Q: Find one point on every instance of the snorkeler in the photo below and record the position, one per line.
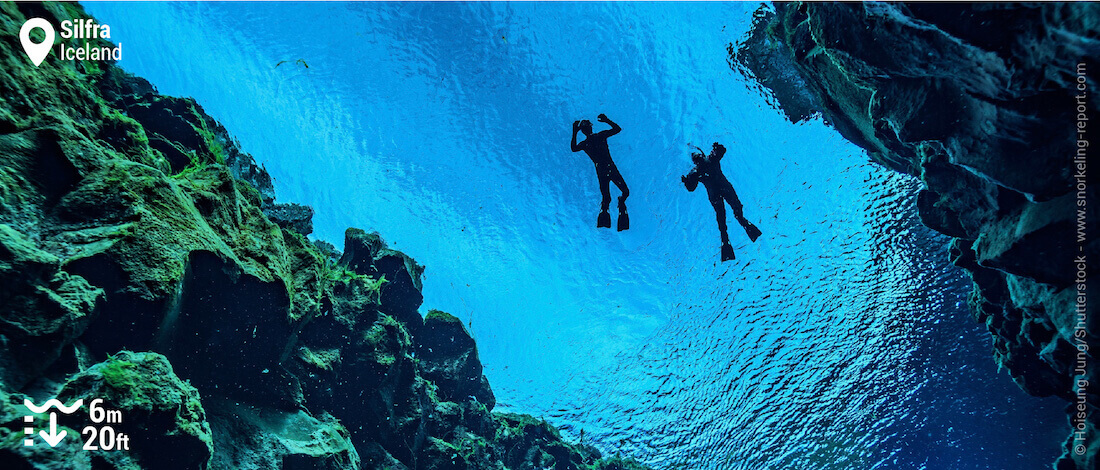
(595, 145)
(708, 171)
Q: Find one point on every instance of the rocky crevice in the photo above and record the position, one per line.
(980, 102)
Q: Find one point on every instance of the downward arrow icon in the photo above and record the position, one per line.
(53, 438)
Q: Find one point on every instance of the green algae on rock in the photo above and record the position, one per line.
(44, 308)
(159, 410)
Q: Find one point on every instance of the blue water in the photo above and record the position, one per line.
(839, 340)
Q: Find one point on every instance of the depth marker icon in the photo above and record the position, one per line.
(53, 438)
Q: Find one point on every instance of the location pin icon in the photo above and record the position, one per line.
(37, 52)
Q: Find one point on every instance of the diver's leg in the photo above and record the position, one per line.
(605, 190)
(604, 219)
(720, 215)
(617, 178)
(731, 197)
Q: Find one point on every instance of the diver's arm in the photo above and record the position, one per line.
(691, 180)
(614, 127)
(714, 156)
(573, 143)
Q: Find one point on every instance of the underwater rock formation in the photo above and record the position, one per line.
(448, 357)
(981, 103)
(144, 261)
(165, 412)
(291, 216)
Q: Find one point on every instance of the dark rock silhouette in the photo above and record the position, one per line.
(980, 101)
(291, 216)
(449, 359)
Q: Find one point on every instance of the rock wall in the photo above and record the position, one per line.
(981, 102)
(144, 260)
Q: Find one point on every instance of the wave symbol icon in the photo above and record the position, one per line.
(53, 403)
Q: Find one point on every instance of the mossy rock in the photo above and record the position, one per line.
(159, 411)
(44, 308)
(257, 437)
(449, 358)
(366, 254)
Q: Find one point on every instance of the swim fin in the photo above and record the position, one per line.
(603, 220)
(727, 252)
(624, 221)
(752, 232)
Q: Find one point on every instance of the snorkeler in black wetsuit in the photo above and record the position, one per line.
(595, 145)
(708, 171)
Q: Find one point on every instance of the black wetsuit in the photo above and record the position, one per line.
(719, 192)
(595, 145)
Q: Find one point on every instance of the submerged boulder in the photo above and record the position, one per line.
(158, 410)
(45, 308)
(448, 357)
(366, 254)
(249, 437)
(291, 216)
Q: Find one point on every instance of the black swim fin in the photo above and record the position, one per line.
(727, 252)
(624, 221)
(603, 220)
(752, 232)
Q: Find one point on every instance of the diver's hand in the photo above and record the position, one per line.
(683, 179)
(576, 126)
(602, 118)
